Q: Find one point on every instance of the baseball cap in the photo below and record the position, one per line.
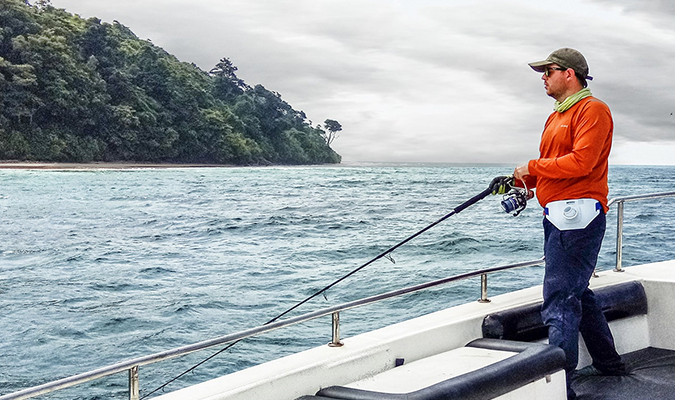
(566, 58)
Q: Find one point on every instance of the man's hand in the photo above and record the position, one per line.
(501, 184)
(521, 172)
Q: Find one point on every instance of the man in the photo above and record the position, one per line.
(570, 178)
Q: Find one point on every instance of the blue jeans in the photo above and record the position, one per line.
(569, 306)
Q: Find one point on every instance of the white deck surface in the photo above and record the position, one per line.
(431, 370)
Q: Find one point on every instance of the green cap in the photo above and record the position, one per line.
(566, 58)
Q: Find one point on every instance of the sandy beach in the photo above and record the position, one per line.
(99, 165)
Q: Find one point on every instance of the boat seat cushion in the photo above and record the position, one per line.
(533, 361)
(525, 323)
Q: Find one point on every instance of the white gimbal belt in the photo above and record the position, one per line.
(567, 215)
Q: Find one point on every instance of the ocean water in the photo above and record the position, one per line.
(100, 266)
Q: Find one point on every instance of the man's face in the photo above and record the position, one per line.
(555, 80)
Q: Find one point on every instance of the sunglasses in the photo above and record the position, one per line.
(547, 71)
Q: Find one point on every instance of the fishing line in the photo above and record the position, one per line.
(387, 253)
(384, 254)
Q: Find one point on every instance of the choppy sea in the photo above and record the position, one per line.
(100, 266)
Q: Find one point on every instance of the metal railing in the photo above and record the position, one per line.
(619, 220)
(132, 366)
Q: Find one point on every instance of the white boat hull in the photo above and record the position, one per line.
(436, 343)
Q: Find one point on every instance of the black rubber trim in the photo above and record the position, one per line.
(525, 324)
(533, 362)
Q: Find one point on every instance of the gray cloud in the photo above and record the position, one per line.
(428, 80)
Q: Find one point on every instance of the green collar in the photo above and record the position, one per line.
(572, 100)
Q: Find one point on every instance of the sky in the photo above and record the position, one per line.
(429, 80)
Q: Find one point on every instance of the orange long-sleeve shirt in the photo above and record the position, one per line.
(574, 149)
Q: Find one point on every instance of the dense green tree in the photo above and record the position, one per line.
(227, 86)
(74, 89)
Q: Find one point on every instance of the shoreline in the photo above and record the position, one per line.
(100, 165)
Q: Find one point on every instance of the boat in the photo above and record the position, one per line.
(492, 348)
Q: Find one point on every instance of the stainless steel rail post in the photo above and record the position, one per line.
(336, 331)
(619, 237)
(483, 289)
(133, 383)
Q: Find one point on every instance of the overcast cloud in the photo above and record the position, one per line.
(429, 80)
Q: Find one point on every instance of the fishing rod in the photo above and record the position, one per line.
(514, 201)
(387, 253)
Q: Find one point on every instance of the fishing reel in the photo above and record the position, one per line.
(515, 200)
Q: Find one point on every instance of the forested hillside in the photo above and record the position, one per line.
(80, 90)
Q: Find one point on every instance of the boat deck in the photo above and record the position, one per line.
(651, 376)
